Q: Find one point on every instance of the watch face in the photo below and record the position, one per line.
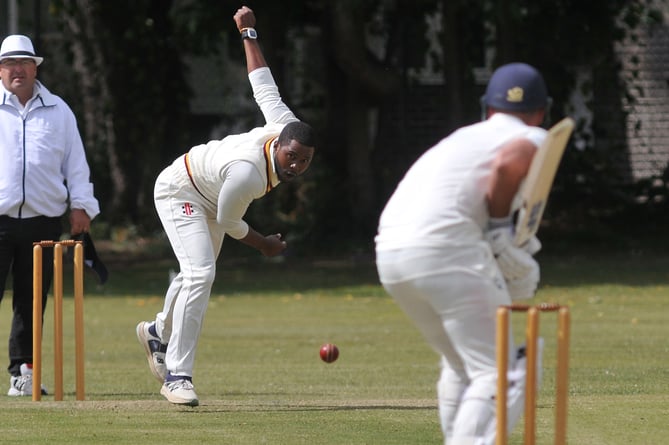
(249, 33)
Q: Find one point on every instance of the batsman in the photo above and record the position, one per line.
(445, 249)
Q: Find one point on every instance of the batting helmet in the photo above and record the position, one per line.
(516, 87)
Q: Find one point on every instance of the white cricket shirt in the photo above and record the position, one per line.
(441, 201)
(230, 173)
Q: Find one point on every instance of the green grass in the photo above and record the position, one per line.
(260, 379)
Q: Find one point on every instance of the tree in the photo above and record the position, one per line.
(81, 30)
(133, 97)
(128, 57)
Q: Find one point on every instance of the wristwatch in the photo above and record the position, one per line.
(249, 33)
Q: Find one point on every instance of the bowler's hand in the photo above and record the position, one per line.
(273, 245)
(79, 221)
(244, 18)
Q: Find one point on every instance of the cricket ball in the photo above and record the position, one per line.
(329, 352)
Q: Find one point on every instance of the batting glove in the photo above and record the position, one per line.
(515, 263)
(524, 288)
(532, 245)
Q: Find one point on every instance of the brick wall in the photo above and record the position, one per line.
(645, 70)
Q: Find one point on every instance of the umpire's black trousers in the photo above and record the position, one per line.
(16, 255)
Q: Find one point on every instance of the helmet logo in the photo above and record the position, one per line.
(514, 94)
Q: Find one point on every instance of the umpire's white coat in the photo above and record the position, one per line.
(432, 259)
(199, 198)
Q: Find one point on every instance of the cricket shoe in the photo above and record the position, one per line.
(179, 391)
(154, 349)
(23, 384)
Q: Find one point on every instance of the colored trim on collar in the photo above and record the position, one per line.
(268, 162)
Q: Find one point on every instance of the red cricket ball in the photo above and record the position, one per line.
(329, 352)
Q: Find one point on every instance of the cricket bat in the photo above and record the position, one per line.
(539, 180)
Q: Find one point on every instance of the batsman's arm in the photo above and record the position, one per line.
(509, 169)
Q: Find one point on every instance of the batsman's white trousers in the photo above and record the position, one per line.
(190, 224)
(452, 297)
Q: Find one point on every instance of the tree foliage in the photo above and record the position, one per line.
(343, 65)
(133, 96)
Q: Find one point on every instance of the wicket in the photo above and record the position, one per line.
(58, 316)
(532, 335)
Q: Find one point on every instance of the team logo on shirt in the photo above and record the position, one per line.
(187, 209)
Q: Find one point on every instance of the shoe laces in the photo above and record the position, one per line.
(23, 382)
(180, 384)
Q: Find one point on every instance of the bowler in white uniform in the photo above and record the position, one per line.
(201, 198)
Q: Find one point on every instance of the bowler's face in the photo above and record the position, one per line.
(292, 160)
(18, 75)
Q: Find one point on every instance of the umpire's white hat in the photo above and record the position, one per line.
(18, 46)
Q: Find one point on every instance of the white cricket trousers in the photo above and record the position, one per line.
(452, 297)
(196, 238)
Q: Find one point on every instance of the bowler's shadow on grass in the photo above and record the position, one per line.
(154, 402)
(220, 406)
(203, 408)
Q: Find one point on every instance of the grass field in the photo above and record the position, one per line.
(260, 379)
